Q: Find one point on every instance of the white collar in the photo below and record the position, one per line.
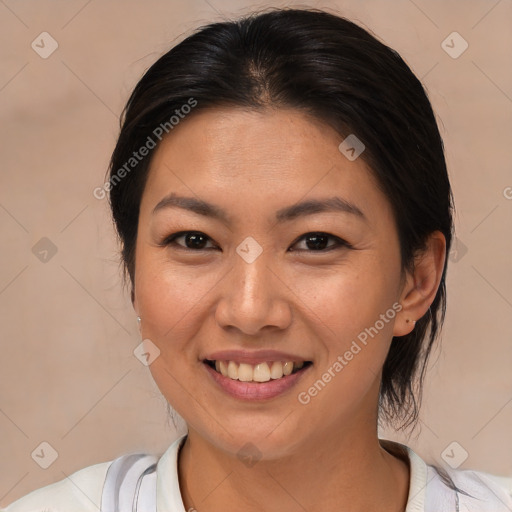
(419, 474)
(169, 494)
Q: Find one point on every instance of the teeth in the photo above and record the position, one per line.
(233, 370)
(261, 372)
(245, 372)
(287, 368)
(276, 371)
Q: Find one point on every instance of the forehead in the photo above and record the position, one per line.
(275, 156)
(266, 138)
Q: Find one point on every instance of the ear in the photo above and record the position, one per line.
(421, 285)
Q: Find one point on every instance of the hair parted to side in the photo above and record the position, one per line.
(337, 72)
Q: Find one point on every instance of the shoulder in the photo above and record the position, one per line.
(440, 489)
(81, 492)
(119, 483)
(475, 491)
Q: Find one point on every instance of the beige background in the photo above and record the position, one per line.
(67, 369)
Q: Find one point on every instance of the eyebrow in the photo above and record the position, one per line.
(308, 207)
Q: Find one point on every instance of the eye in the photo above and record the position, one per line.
(318, 242)
(194, 240)
(197, 241)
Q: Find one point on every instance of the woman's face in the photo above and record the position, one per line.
(264, 281)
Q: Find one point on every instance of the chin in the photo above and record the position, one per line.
(255, 442)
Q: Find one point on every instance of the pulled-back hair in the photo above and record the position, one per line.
(334, 70)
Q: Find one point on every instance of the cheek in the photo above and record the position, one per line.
(170, 297)
(171, 300)
(350, 313)
(345, 300)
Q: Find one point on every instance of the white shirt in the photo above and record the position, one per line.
(82, 491)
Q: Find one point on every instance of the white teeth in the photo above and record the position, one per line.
(276, 372)
(287, 368)
(233, 370)
(261, 372)
(245, 372)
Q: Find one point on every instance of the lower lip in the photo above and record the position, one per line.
(255, 390)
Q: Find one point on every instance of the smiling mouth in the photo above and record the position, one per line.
(261, 372)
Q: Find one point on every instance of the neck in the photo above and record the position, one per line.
(331, 472)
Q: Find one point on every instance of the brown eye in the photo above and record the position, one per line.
(318, 242)
(193, 240)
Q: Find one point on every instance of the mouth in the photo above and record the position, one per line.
(258, 373)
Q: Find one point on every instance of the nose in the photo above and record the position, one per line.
(253, 298)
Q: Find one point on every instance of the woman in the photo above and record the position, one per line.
(281, 196)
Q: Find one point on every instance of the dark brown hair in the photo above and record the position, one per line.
(332, 69)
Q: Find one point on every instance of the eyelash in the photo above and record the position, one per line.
(340, 243)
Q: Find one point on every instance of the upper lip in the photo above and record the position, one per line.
(254, 356)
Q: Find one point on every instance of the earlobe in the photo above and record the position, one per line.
(421, 284)
(136, 309)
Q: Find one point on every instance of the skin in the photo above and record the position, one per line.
(323, 456)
